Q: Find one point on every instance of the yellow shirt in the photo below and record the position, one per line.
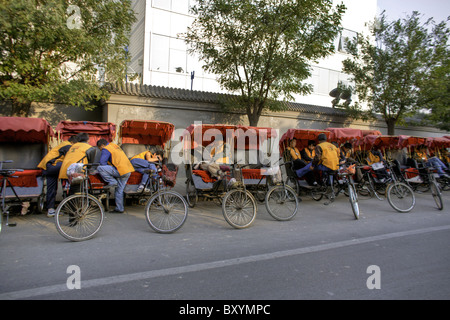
(330, 155)
(310, 154)
(142, 155)
(119, 159)
(52, 154)
(76, 153)
(295, 154)
(371, 158)
(421, 156)
(220, 150)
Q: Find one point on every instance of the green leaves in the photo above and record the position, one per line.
(52, 53)
(262, 49)
(391, 73)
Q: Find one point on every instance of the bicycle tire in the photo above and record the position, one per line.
(79, 217)
(166, 211)
(191, 194)
(353, 198)
(281, 202)
(437, 195)
(399, 191)
(239, 208)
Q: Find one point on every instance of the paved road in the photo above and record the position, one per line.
(323, 253)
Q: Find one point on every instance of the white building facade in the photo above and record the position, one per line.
(160, 57)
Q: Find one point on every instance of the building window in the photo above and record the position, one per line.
(159, 53)
(162, 4)
(180, 6)
(345, 37)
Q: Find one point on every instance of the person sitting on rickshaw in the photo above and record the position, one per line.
(298, 163)
(309, 152)
(346, 153)
(375, 160)
(216, 159)
(145, 161)
(325, 160)
(421, 155)
(115, 169)
(295, 155)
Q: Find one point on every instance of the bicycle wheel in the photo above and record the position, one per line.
(166, 211)
(281, 203)
(353, 198)
(191, 194)
(239, 208)
(437, 196)
(401, 197)
(79, 217)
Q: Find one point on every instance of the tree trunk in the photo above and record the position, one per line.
(253, 119)
(391, 126)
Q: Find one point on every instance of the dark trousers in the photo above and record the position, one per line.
(51, 173)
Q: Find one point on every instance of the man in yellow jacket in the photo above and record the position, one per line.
(51, 165)
(326, 158)
(115, 168)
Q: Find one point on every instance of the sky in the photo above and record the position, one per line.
(395, 9)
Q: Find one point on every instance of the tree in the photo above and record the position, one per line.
(262, 49)
(54, 50)
(435, 94)
(390, 68)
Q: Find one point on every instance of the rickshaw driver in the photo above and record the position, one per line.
(309, 152)
(327, 155)
(296, 157)
(80, 151)
(375, 159)
(421, 155)
(51, 165)
(325, 160)
(218, 159)
(145, 161)
(115, 169)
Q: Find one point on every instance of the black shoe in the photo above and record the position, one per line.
(116, 211)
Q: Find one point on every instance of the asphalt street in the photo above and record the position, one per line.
(323, 253)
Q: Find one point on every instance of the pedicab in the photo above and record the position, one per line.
(96, 131)
(385, 177)
(330, 184)
(439, 148)
(166, 210)
(79, 216)
(260, 176)
(302, 137)
(238, 204)
(23, 143)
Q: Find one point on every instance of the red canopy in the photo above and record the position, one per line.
(341, 135)
(96, 130)
(209, 131)
(410, 141)
(199, 129)
(435, 142)
(381, 141)
(146, 132)
(366, 132)
(260, 132)
(302, 136)
(28, 130)
(392, 142)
